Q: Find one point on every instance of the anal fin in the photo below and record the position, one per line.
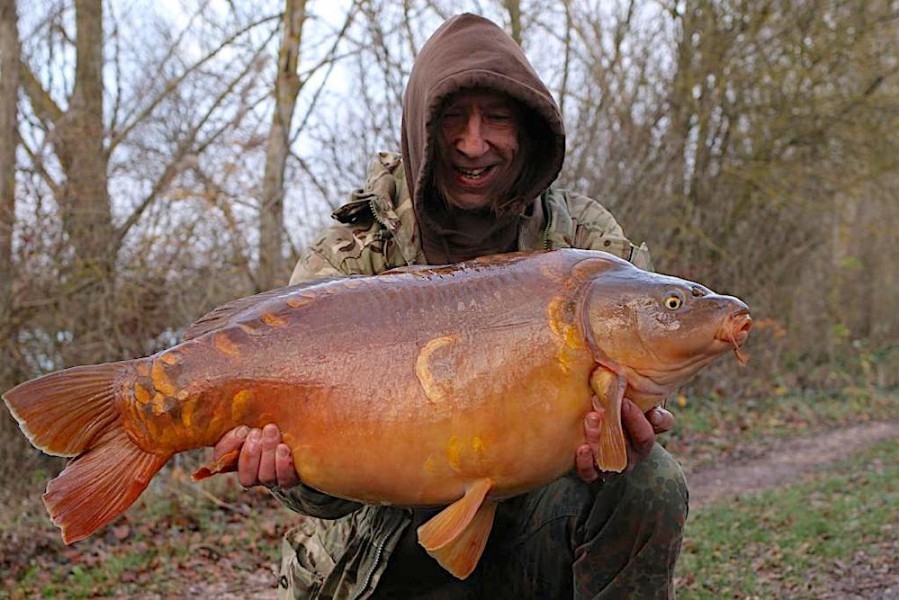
(456, 537)
(609, 389)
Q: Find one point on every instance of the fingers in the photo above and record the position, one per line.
(660, 419)
(639, 429)
(585, 464)
(584, 459)
(250, 456)
(591, 429)
(233, 440)
(264, 460)
(286, 472)
(271, 437)
(641, 432)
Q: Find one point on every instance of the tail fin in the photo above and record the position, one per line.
(74, 413)
(99, 485)
(62, 412)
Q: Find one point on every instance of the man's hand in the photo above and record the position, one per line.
(263, 459)
(641, 430)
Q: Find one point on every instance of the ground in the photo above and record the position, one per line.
(770, 465)
(872, 573)
(171, 549)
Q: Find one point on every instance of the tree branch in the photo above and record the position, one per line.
(186, 145)
(117, 137)
(44, 106)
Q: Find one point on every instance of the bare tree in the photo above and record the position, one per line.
(78, 141)
(9, 143)
(513, 10)
(287, 87)
(289, 84)
(89, 139)
(9, 68)
(716, 131)
(781, 147)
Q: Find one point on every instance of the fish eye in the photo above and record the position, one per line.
(673, 301)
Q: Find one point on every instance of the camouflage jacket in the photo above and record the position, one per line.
(340, 549)
(376, 229)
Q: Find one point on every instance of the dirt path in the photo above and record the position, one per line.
(784, 462)
(872, 573)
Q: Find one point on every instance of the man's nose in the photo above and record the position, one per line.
(471, 140)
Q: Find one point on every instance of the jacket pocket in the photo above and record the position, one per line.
(306, 561)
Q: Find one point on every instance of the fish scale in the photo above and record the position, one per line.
(454, 386)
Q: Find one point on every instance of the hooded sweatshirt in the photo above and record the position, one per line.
(470, 52)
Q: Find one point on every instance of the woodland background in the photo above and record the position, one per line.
(160, 158)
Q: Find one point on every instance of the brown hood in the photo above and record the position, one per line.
(467, 52)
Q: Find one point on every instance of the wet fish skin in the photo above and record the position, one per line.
(458, 385)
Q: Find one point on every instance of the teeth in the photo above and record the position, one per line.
(472, 172)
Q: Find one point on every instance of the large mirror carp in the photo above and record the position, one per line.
(459, 385)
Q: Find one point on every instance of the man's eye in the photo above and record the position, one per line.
(499, 117)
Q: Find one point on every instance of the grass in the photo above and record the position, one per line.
(709, 427)
(86, 581)
(178, 539)
(795, 542)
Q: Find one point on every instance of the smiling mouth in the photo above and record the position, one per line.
(473, 174)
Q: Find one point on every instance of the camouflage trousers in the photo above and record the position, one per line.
(616, 538)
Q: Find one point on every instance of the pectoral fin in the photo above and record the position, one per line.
(227, 462)
(609, 389)
(456, 536)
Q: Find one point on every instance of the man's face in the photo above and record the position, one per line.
(478, 144)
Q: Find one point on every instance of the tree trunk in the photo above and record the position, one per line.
(9, 92)
(87, 215)
(80, 148)
(272, 271)
(513, 7)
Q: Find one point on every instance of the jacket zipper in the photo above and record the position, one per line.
(374, 212)
(379, 549)
(391, 229)
(547, 245)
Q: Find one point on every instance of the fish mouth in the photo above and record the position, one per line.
(735, 330)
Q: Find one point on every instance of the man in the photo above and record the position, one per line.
(482, 142)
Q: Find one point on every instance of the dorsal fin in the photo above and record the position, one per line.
(224, 314)
(410, 269)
